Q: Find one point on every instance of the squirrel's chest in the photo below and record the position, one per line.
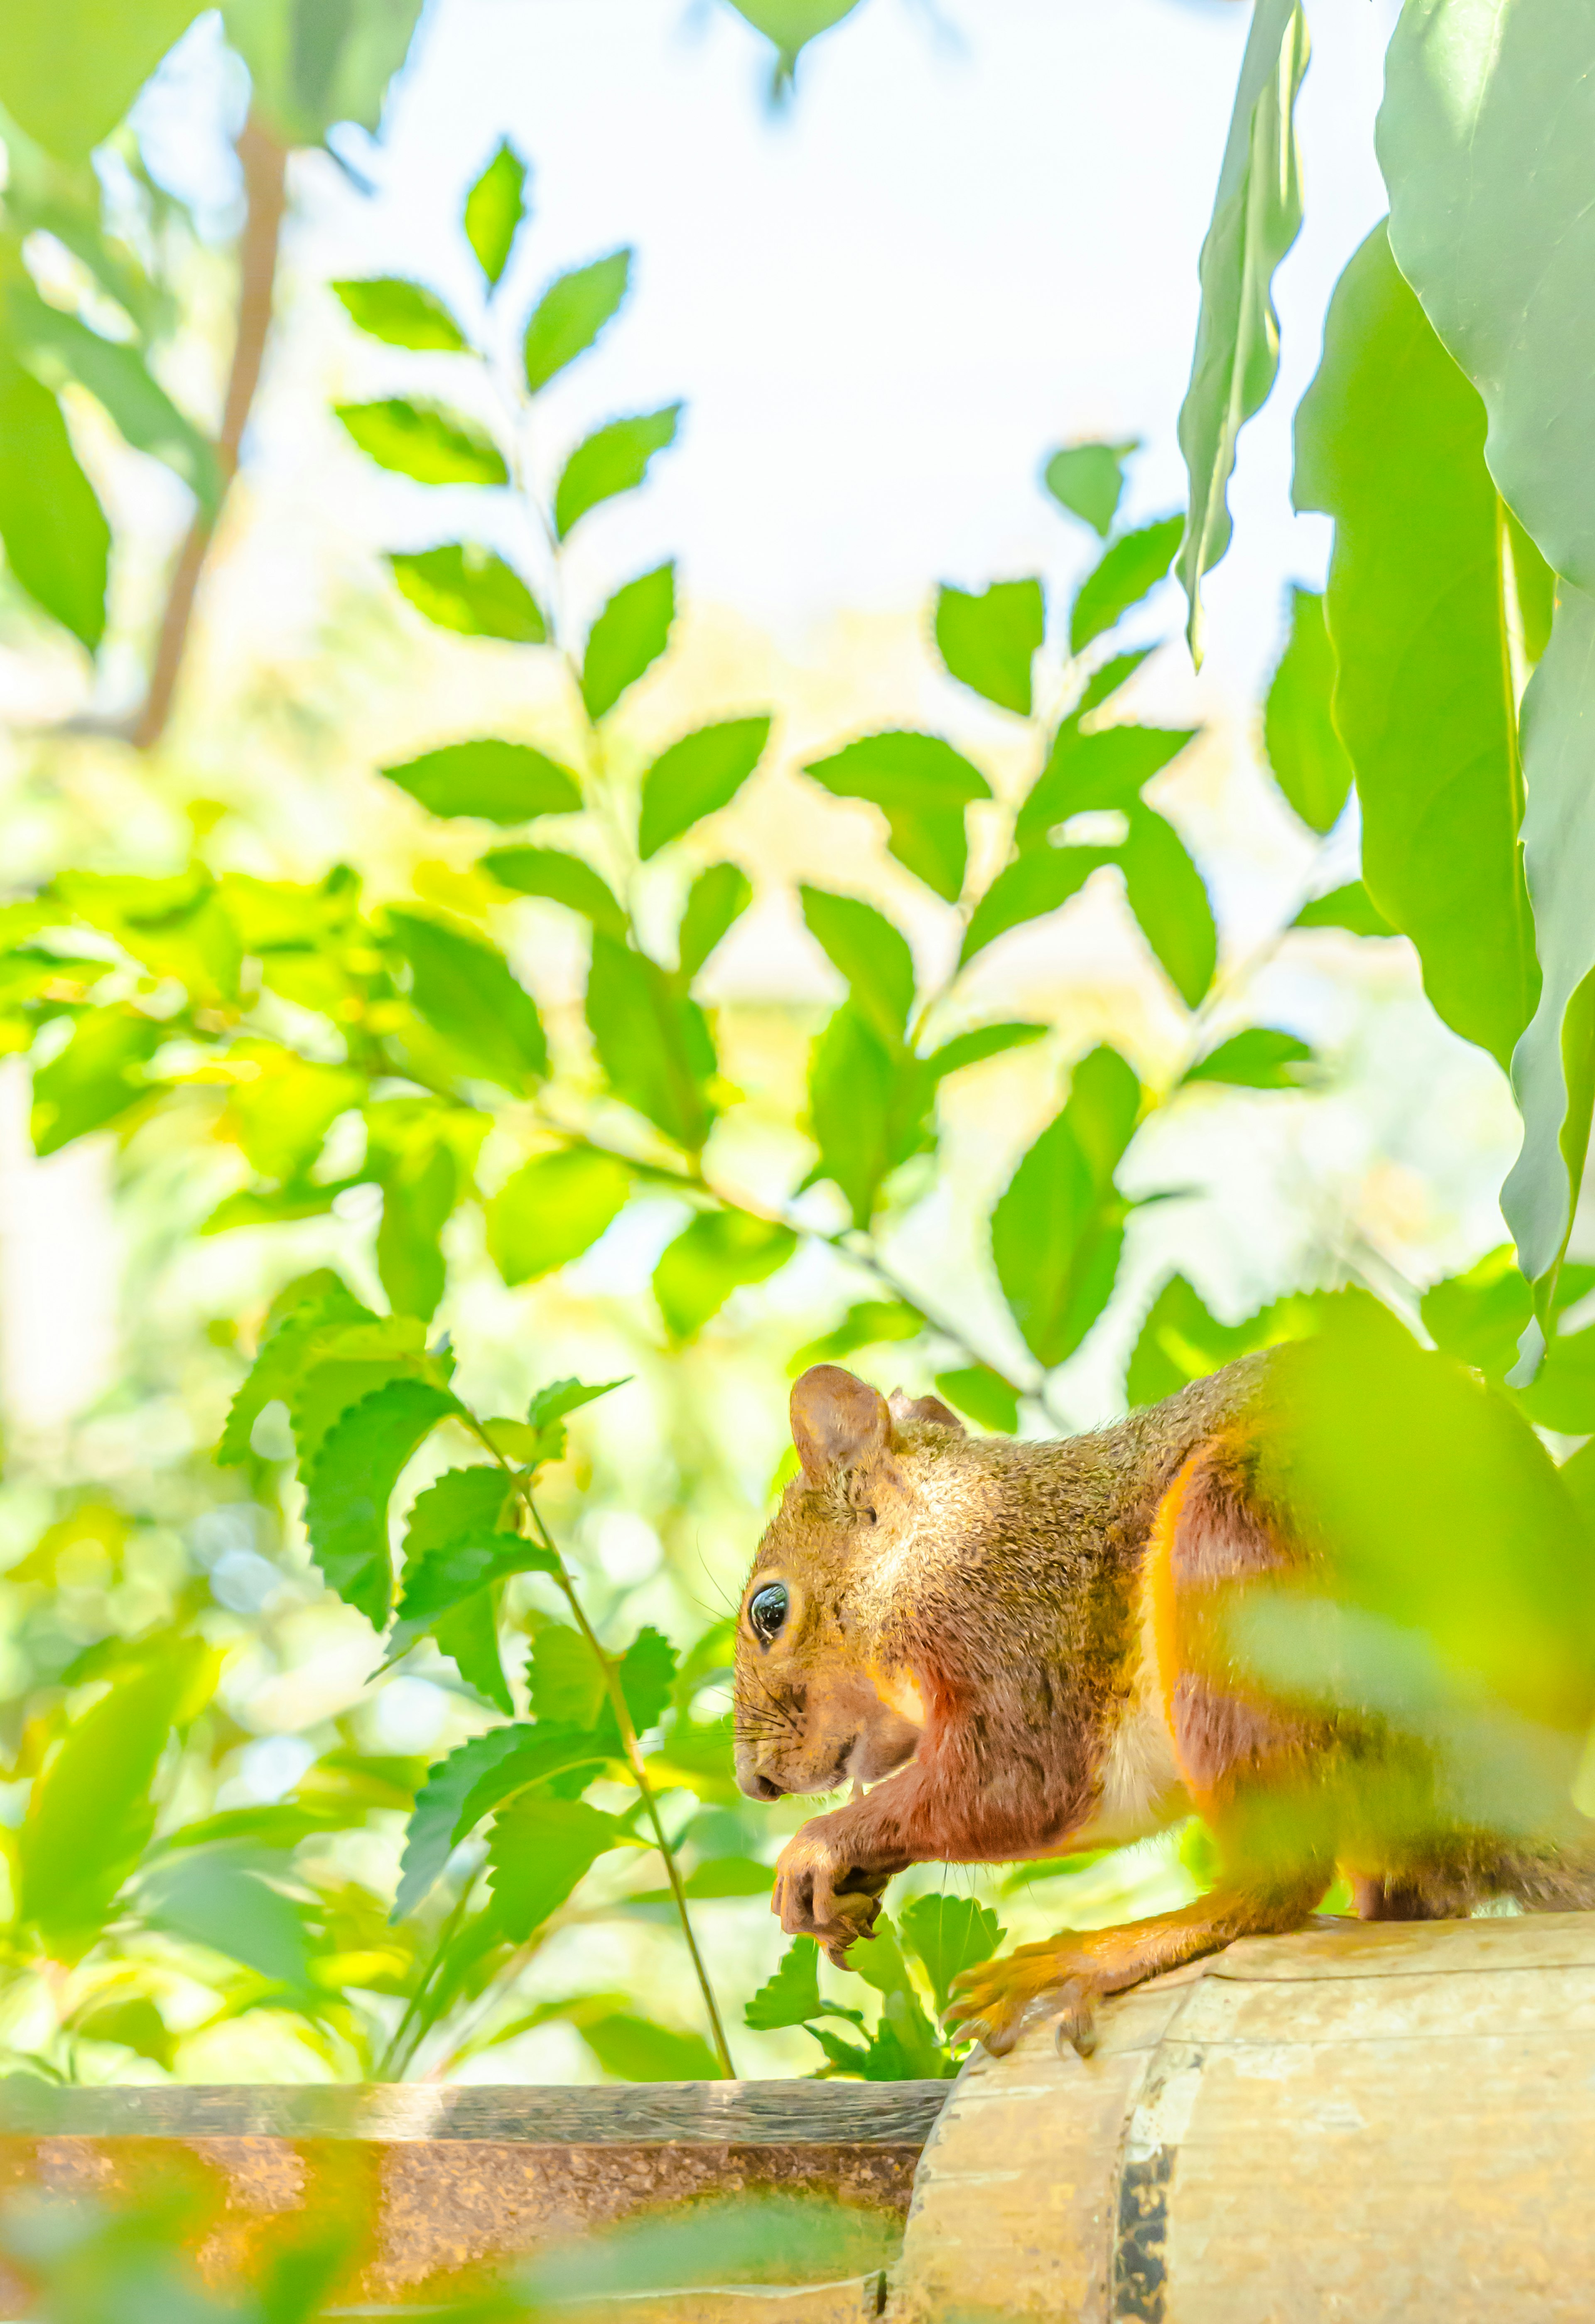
(1139, 1789)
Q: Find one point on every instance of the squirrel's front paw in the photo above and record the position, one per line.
(992, 2001)
(820, 1892)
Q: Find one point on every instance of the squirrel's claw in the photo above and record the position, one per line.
(819, 1892)
(998, 2000)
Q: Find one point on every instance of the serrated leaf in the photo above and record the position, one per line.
(570, 314)
(553, 1209)
(1307, 756)
(949, 1934)
(563, 879)
(558, 1399)
(792, 1995)
(1057, 1232)
(873, 956)
(346, 1362)
(502, 782)
(540, 1850)
(310, 1304)
(973, 1048)
(647, 1676)
(1088, 480)
(438, 1823)
(922, 787)
(1129, 571)
(57, 543)
(1169, 898)
(469, 589)
(349, 1483)
(494, 208)
(1106, 767)
(401, 314)
(988, 641)
(459, 1541)
(652, 1042)
(1260, 1058)
(1038, 883)
(1257, 215)
(983, 1395)
(628, 638)
(717, 898)
(612, 460)
(696, 777)
(1351, 908)
(719, 1252)
(424, 441)
(467, 992)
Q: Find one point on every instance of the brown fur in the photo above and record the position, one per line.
(1013, 1643)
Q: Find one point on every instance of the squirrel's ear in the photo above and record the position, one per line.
(903, 1406)
(838, 1422)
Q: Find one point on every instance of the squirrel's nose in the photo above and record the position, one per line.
(755, 1785)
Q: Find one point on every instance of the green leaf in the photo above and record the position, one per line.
(873, 956)
(1105, 681)
(401, 314)
(1481, 1316)
(792, 1995)
(458, 1544)
(57, 543)
(923, 785)
(464, 587)
(1256, 216)
(308, 1304)
(1088, 480)
(791, 25)
(984, 1395)
(558, 1399)
(424, 440)
(647, 1676)
(57, 347)
(653, 1043)
(949, 1934)
(1182, 1341)
(214, 1897)
(628, 638)
(1038, 883)
(89, 1812)
(494, 208)
(1127, 572)
(989, 641)
(502, 782)
(1390, 443)
(1260, 1058)
(540, 1850)
(70, 73)
(713, 1257)
(850, 1091)
(1084, 773)
(444, 1808)
(612, 460)
(569, 315)
(466, 989)
(311, 67)
(904, 2047)
(552, 1209)
(636, 2049)
(869, 1323)
(564, 1682)
(1351, 908)
(974, 1047)
(420, 1179)
(1536, 589)
(696, 777)
(95, 1077)
(1168, 897)
(1057, 1232)
(1307, 756)
(562, 879)
(344, 1364)
(717, 898)
(1553, 1070)
(349, 1483)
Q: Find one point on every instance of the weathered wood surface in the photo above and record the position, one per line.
(453, 2186)
(1394, 2124)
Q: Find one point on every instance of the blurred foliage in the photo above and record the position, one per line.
(408, 1064)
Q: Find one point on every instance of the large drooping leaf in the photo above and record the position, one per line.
(1553, 1070)
(401, 314)
(502, 782)
(69, 72)
(570, 314)
(464, 587)
(923, 786)
(713, 1257)
(467, 992)
(628, 637)
(696, 777)
(57, 347)
(493, 210)
(1058, 1229)
(990, 640)
(425, 441)
(552, 1209)
(1307, 756)
(1256, 216)
(58, 544)
(864, 947)
(613, 459)
(312, 65)
(1390, 443)
(652, 1041)
(350, 1481)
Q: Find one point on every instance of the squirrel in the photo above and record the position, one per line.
(1005, 1639)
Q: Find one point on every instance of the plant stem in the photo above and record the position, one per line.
(395, 2057)
(264, 165)
(608, 1669)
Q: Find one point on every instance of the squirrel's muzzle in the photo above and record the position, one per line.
(753, 1785)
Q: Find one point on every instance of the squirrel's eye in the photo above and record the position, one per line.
(767, 1609)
